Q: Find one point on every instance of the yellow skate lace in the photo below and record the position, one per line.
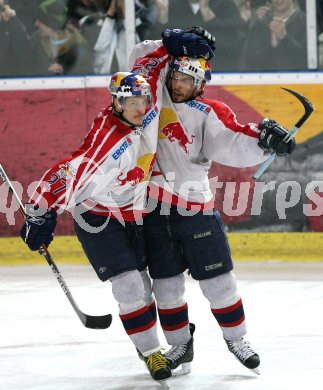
(156, 361)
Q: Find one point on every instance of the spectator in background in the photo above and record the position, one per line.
(14, 43)
(277, 40)
(319, 9)
(105, 33)
(163, 6)
(25, 10)
(244, 7)
(221, 18)
(151, 15)
(78, 9)
(146, 18)
(57, 46)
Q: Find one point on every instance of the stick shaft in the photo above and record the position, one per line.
(94, 322)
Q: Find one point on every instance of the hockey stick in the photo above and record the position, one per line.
(92, 322)
(309, 108)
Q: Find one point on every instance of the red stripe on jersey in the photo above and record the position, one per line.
(164, 196)
(107, 130)
(123, 213)
(104, 139)
(156, 173)
(150, 66)
(226, 115)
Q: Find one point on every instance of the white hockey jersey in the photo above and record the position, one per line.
(191, 136)
(109, 173)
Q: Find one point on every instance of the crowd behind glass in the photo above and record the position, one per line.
(58, 37)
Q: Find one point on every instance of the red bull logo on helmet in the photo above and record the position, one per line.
(196, 67)
(140, 85)
(170, 128)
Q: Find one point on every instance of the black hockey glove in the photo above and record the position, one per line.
(181, 43)
(271, 137)
(39, 227)
(200, 31)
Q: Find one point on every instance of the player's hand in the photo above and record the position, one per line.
(39, 227)
(271, 138)
(181, 43)
(200, 31)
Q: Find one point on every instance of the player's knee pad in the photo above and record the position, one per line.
(220, 291)
(128, 288)
(169, 292)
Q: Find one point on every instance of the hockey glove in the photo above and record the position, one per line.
(200, 31)
(271, 137)
(39, 227)
(180, 43)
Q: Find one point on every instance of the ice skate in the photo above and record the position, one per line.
(181, 355)
(245, 354)
(141, 356)
(157, 366)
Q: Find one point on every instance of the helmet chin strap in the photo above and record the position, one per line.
(120, 115)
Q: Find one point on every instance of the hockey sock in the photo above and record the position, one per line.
(231, 320)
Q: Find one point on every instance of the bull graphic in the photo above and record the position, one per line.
(133, 177)
(174, 131)
(141, 171)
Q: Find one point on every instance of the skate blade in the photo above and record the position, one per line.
(255, 370)
(163, 384)
(183, 369)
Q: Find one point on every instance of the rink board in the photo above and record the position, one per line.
(55, 113)
(254, 247)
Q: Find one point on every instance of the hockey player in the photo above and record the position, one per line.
(104, 182)
(184, 231)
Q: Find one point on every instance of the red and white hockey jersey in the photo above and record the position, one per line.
(191, 136)
(109, 173)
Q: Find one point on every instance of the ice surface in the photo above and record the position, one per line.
(44, 346)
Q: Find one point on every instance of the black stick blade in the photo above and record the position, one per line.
(97, 322)
(308, 106)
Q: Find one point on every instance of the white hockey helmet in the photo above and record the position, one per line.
(198, 68)
(126, 84)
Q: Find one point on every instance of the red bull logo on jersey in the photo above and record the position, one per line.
(133, 177)
(170, 128)
(141, 172)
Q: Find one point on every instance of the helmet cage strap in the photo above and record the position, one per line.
(119, 114)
